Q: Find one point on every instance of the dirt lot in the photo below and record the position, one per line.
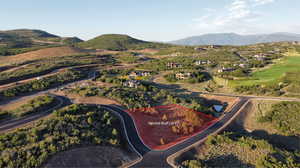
(94, 156)
(42, 53)
(88, 100)
(156, 129)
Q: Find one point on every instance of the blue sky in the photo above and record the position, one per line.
(155, 20)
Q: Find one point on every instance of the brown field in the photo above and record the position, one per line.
(87, 100)
(42, 53)
(94, 156)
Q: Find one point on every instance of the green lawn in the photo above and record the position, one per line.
(290, 63)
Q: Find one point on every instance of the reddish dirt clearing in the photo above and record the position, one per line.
(155, 129)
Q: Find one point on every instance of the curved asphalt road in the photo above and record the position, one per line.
(152, 158)
(15, 123)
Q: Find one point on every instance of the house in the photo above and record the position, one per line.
(200, 62)
(240, 65)
(260, 57)
(135, 74)
(131, 83)
(223, 69)
(173, 65)
(183, 75)
(199, 49)
(140, 55)
(214, 46)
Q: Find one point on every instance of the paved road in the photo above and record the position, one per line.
(91, 76)
(17, 123)
(159, 158)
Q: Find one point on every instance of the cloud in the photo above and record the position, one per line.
(236, 17)
(263, 2)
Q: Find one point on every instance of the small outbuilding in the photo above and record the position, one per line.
(218, 108)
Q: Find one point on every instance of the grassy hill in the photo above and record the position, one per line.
(118, 42)
(18, 41)
(29, 33)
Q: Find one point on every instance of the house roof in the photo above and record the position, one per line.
(218, 108)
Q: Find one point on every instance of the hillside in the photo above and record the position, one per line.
(118, 42)
(25, 38)
(236, 39)
(71, 40)
(28, 33)
(42, 53)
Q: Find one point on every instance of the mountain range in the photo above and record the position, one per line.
(236, 39)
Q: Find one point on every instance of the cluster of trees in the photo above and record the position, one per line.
(118, 76)
(161, 64)
(284, 116)
(112, 75)
(263, 89)
(70, 127)
(240, 72)
(35, 105)
(128, 57)
(196, 77)
(271, 157)
(44, 83)
(4, 51)
(146, 95)
(292, 81)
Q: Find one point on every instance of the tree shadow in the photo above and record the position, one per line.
(219, 161)
(227, 161)
(290, 143)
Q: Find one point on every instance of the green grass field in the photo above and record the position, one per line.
(290, 63)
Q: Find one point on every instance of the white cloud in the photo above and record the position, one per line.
(236, 17)
(263, 2)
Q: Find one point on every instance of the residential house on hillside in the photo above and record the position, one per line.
(173, 65)
(223, 69)
(214, 46)
(242, 65)
(135, 74)
(131, 83)
(260, 57)
(201, 62)
(183, 75)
